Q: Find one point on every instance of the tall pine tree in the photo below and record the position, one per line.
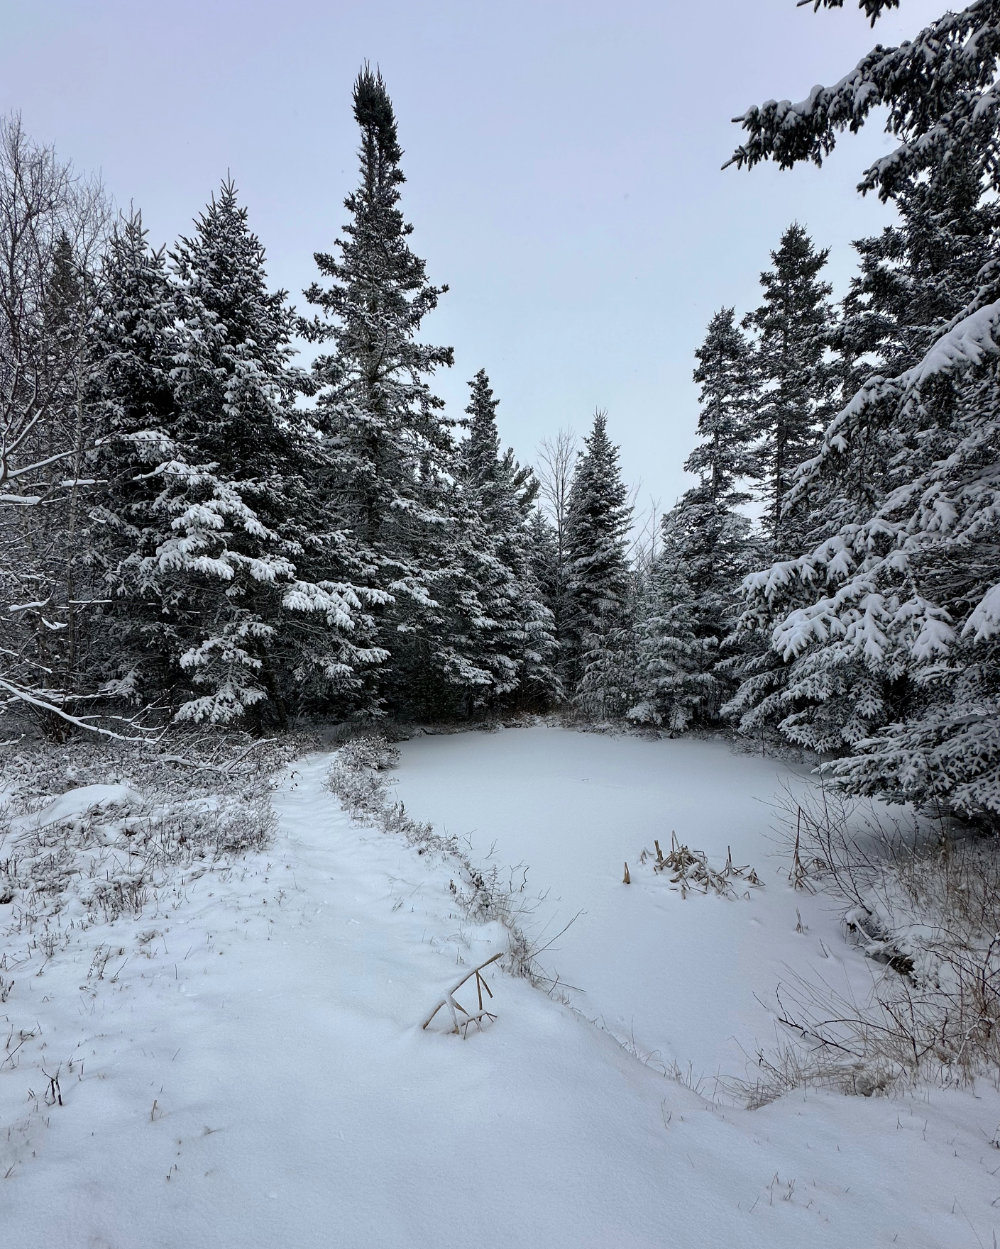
(600, 589)
(794, 327)
(395, 452)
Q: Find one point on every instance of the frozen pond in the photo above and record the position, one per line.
(686, 981)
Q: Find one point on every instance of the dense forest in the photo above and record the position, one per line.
(216, 510)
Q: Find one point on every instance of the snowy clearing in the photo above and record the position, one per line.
(254, 1073)
(687, 982)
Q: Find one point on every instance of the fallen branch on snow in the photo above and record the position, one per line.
(461, 1026)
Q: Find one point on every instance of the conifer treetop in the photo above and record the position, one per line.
(374, 113)
(482, 448)
(728, 398)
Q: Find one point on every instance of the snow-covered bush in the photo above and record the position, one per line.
(356, 776)
(370, 751)
(92, 831)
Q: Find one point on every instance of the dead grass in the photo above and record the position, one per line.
(922, 900)
(358, 777)
(690, 871)
(119, 855)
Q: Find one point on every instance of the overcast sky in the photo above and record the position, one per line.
(562, 160)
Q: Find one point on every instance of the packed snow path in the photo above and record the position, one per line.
(259, 1079)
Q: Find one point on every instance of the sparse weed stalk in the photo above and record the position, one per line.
(691, 871)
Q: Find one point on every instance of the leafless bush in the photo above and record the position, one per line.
(923, 900)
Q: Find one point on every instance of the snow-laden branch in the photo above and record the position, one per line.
(940, 90)
(33, 700)
(972, 337)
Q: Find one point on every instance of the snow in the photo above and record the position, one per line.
(677, 978)
(249, 1069)
(83, 800)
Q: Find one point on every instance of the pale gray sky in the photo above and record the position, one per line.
(562, 159)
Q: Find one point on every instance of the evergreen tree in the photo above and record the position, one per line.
(712, 537)
(517, 643)
(395, 450)
(600, 589)
(674, 683)
(794, 327)
(938, 88)
(904, 586)
(132, 397)
(917, 274)
(546, 565)
(728, 420)
(689, 605)
(829, 694)
(208, 493)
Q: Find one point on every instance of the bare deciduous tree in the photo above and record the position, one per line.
(53, 225)
(557, 458)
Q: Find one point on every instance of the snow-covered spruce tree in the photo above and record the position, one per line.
(916, 275)
(908, 583)
(794, 326)
(210, 489)
(690, 602)
(727, 373)
(674, 657)
(547, 570)
(131, 395)
(913, 278)
(714, 536)
(598, 647)
(396, 491)
(515, 630)
(289, 619)
(799, 381)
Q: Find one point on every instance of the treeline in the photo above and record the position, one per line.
(867, 627)
(196, 528)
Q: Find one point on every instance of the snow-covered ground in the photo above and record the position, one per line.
(688, 982)
(251, 1070)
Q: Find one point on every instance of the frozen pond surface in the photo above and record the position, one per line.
(687, 981)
